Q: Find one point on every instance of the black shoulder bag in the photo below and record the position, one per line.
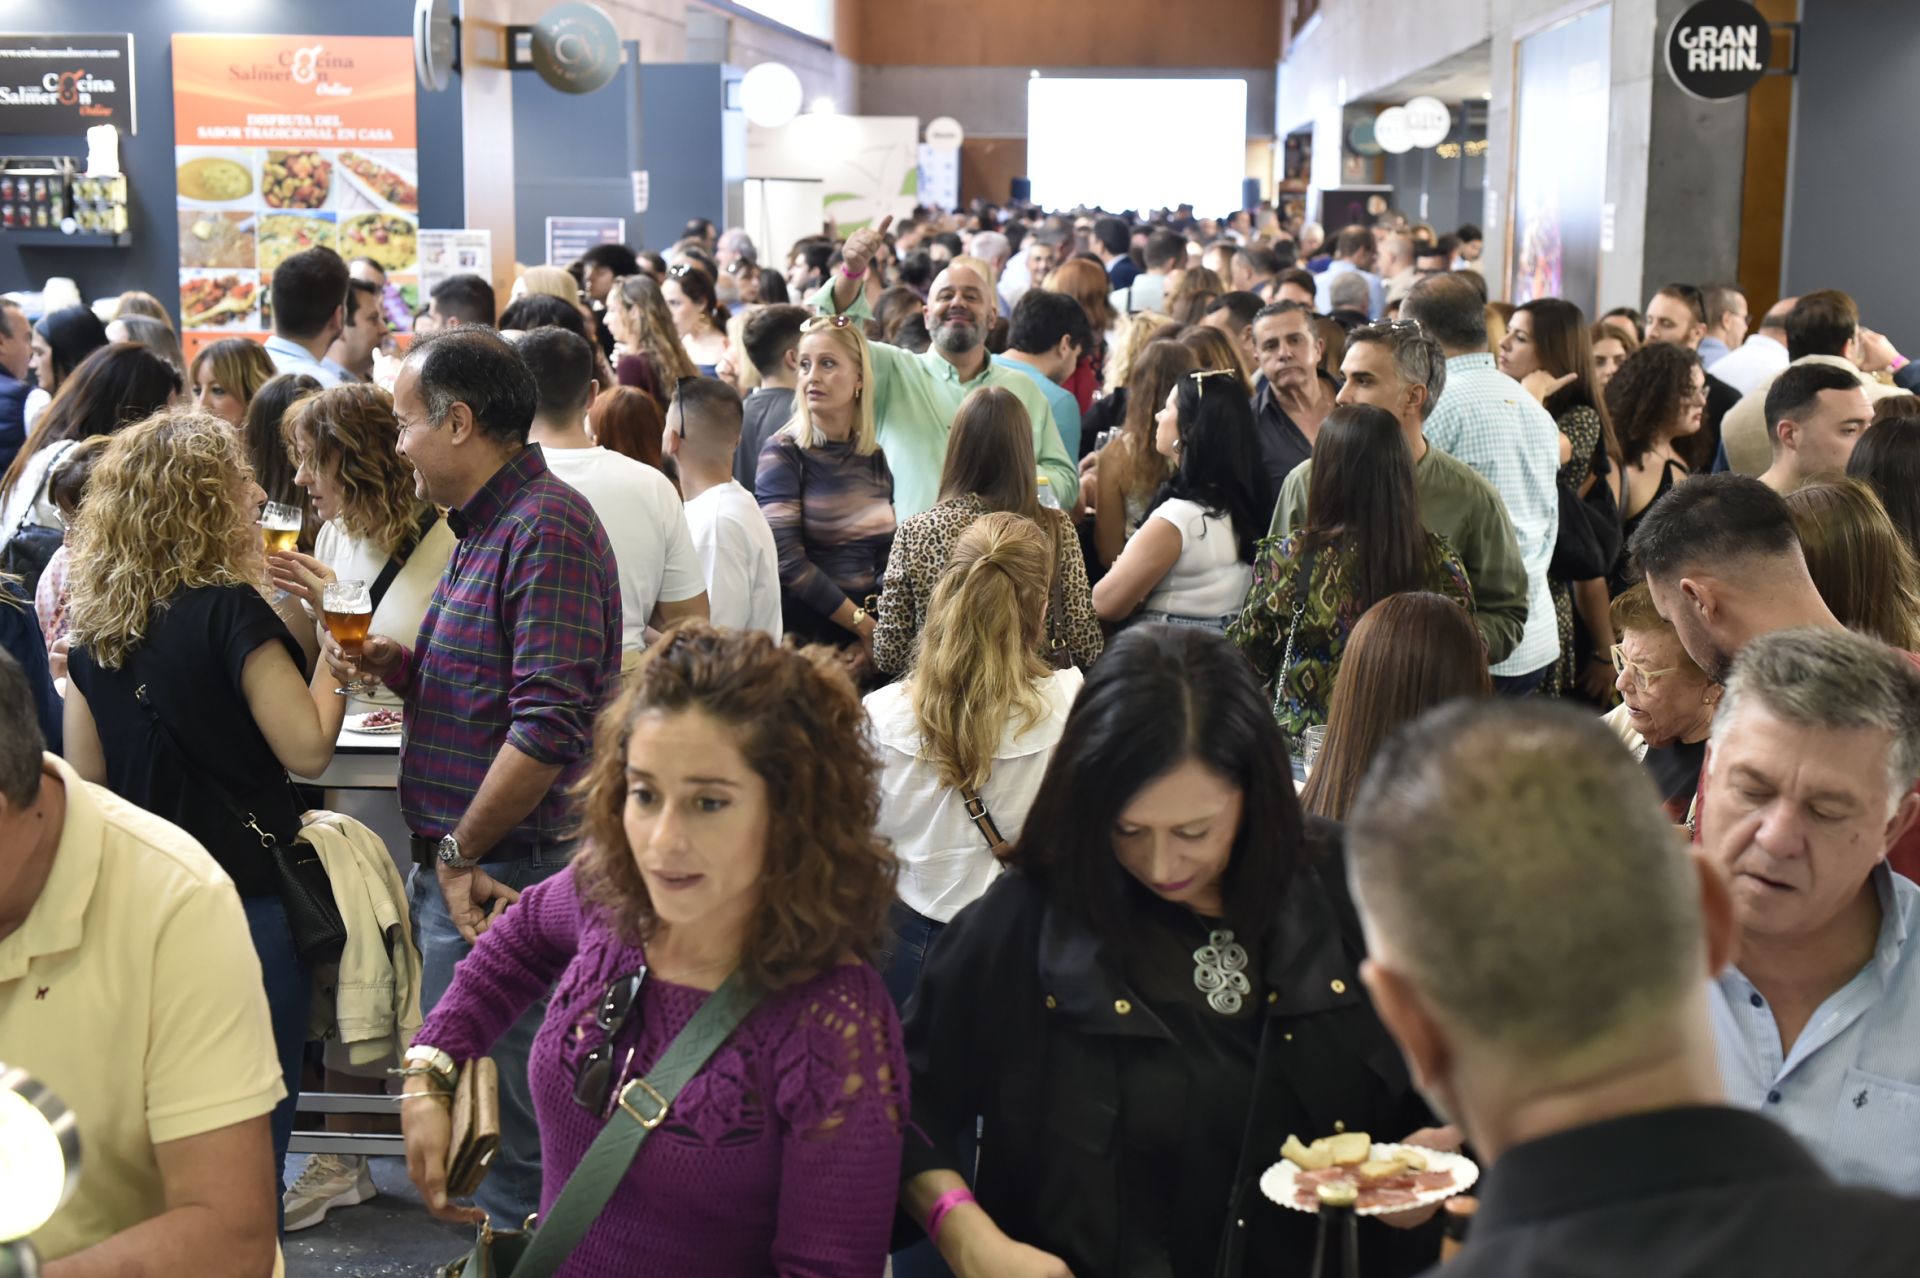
(27, 553)
(1589, 541)
(319, 932)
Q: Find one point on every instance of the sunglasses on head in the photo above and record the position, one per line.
(819, 322)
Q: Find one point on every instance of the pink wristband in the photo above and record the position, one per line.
(944, 1204)
(846, 274)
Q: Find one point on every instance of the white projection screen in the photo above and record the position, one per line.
(1137, 144)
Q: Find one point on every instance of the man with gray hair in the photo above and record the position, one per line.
(1536, 944)
(1349, 299)
(1400, 368)
(1809, 783)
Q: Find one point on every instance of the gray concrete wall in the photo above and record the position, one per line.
(991, 102)
(1852, 184)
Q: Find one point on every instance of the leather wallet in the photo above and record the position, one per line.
(476, 1127)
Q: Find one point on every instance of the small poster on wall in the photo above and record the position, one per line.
(445, 254)
(66, 83)
(281, 144)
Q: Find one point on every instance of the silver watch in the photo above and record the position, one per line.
(450, 855)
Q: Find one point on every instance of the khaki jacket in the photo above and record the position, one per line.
(370, 1000)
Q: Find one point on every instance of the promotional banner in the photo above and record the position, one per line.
(870, 164)
(65, 83)
(285, 143)
(1560, 160)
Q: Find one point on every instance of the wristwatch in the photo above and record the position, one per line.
(450, 857)
(859, 615)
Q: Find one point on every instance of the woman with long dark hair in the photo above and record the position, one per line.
(1548, 349)
(111, 388)
(1409, 653)
(1158, 992)
(1131, 470)
(1192, 559)
(1362, 541)
(61, 342)
(1888, 458)
(697, 315)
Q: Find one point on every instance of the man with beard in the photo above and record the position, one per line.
(1724, 566)
(915, 396)
(1809, 783)
(1298, 393)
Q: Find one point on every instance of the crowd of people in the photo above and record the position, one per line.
(965, 740)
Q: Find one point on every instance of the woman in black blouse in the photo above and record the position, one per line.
(1164, 987)
(169, 570)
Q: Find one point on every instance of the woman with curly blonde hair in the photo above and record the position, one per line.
(974, 722)
(647, 353)
(376, 529)
(729, 855)
(173, 642)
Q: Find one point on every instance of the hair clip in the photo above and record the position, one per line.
(1201, 375)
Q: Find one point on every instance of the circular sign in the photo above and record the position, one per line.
(1392, 131)
(1428, 121)
(1360, 140)
(770, 94)
(575, 47)
(945, 134)
(1718, 49)
(434, 43)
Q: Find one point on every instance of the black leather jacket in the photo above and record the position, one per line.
(1021, 1020)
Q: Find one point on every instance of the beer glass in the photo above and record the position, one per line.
(280, 525)
(348, 609)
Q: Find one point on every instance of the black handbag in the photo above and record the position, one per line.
(1590, 537)
(31, 547)
(306, 893)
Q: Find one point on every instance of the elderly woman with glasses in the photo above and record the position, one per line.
(1667, 702)
(729, 862)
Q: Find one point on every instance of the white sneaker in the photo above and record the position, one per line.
(326, 1182)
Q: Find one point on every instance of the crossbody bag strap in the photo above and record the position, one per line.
(983, 822)
(398, 559)
(225, 796)
(644, 1104)
(39, 492)
(1057, 590)
(1303, 589)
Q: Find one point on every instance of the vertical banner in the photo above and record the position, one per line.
(1561, 80)
(285, 143)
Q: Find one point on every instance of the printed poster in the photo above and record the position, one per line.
(445, 254)
(285, 143)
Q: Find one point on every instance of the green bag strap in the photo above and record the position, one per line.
(643, 1106)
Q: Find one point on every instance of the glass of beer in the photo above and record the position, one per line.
(280, 525)
(348, 609)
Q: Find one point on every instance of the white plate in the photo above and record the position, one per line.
(358, 723)
(364, 189)
(1279, 1181)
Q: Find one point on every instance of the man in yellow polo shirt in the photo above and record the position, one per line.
(129, 986)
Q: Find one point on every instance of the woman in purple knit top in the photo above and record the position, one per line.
(729, 825)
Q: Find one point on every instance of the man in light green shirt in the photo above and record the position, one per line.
(915, 396)
(1401, 369)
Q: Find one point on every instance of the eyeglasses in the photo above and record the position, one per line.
(820, 322)
(1643, 678)
(593, 1079)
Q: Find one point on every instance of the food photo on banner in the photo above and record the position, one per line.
(286, 143)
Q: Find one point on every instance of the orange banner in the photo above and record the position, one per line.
(260, 90)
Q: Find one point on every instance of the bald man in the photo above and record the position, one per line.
(915, 395)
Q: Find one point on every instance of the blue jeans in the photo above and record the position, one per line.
(1216, 624)
(1522, 685)
(289, 998)
(912, 935)
(511, 1191)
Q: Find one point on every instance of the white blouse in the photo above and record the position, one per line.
(944, 861)
(404, 606)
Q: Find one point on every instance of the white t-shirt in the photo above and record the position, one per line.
(741, 562)
(646, 526)
(944, 862)
(1209, 579)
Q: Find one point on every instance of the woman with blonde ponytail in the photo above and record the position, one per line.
(965, 738)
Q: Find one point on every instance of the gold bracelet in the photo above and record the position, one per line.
(434, 1096)
(427, 1072)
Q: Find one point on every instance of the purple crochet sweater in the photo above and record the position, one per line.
(781, 1157)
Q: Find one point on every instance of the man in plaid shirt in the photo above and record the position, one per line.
(518, 650)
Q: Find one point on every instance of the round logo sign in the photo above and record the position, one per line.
(1392, 131)
(1718, 49)
(1428, 121)
(575, 48)
(1360, 139)
(945, 134)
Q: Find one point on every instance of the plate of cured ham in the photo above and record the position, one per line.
(1386, 1178)
(377, 721)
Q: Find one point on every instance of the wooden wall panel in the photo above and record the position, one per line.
(1763, 186)
(988, 167)
(1059, 33)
